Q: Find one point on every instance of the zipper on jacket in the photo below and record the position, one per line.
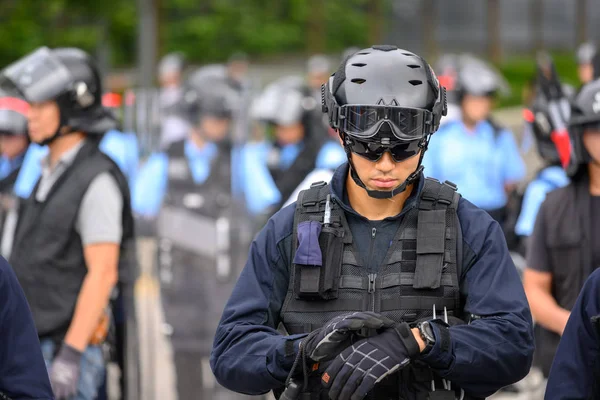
(372, 276)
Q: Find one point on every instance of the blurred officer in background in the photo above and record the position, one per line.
(186, 192)
(74, 238)
(547, 119)
(13, 146)
(575, 372)
(447, 71)
(318, 69)
(13, 137)
(584, 57)
(479, 156)
(296, 145)
(170, 77)
(564, 247)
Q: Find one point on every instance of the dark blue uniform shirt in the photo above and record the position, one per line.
(249, 353)
(23, 374)
(576, 360)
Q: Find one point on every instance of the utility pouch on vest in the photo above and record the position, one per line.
(318, 261)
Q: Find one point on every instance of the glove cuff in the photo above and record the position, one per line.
(408, 339)
(69, 354)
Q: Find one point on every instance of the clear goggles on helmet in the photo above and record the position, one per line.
(364, 121)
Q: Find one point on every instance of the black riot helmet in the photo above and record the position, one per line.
(67, 76)
(384, 99)
(585, 114)
(13, 115)
(549, 114)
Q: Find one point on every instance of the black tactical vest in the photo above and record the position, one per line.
(420, 271)
(48, 254)
(196, 268)
(568, 238)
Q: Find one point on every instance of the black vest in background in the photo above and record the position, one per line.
(195, 243)
(568, 238)
(48, 254)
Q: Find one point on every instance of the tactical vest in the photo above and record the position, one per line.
(48, 257)
(419, 272)
(8, 211)
(568, 238)
(196, 270)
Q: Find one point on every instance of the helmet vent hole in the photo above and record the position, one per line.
(360, 81)
(409, 54)
(359, 65)
(363, 53)
(413, 66)
(415, 82)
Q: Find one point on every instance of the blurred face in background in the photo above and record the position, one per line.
(591, 141)
(585, 72)
(289, 134)
(12, 146)
(44, 120)
(213, 128)
(237, 70)
(476, 108)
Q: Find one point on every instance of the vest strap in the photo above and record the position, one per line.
(436, 199)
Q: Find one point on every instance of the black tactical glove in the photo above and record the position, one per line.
(64, 372)
(327, 342)
(356, 371)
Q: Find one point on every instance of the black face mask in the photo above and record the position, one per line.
(373, 151)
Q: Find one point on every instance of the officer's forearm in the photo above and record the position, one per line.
(94, 296)
(546, 311)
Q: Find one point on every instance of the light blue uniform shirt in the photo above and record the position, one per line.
(548, 179)
(259, 187)
(479, 162)
(151, 185)
(7, 165)
(122, 148)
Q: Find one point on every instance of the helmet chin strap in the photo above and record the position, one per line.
(387, 194)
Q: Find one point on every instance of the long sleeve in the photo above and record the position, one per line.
(496, 349)
(578, 356)
(249, 354)
(23, 374)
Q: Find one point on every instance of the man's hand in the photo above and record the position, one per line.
(64, 372)
(356, 371)
(336, 335)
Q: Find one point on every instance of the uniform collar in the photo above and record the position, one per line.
(338, 191)
(194, 152)
(65, 159)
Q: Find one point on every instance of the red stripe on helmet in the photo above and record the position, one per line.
(14, 104)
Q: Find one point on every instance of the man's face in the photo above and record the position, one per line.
(13, 145)
(214, 129)
(238, 70)
(289, 134)
(44, 120)
(591, 141)
(169, 79)
(585, 72)
(476, 108)
(384, 174)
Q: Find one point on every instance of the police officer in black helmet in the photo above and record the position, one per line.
(381, 284)
(74, 238)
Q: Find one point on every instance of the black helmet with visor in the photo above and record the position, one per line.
(384, 99)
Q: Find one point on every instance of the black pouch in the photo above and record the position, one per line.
(318, 261)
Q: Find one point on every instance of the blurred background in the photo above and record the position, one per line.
(276, 38)
(129, 36)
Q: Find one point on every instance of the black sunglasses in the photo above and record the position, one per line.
(373, 151)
